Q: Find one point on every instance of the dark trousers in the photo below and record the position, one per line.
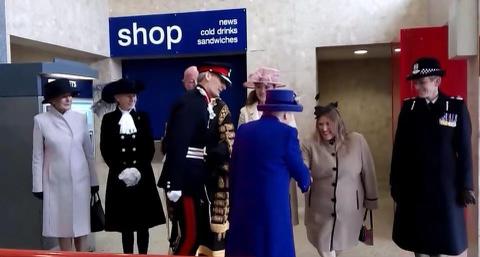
(187, 212)
(142, 241)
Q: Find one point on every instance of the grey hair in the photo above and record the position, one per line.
(201, 76)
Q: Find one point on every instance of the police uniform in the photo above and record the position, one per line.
(431, 168)
(221, 135)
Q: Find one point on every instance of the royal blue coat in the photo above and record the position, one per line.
(266, 154)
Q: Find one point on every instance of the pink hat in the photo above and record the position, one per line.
(264, 75)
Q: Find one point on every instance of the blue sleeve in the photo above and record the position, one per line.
(295, 163)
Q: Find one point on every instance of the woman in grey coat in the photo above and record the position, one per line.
(63, 168)
(344, 183)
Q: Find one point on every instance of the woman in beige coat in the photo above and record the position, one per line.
(63, 168)
(344, 183)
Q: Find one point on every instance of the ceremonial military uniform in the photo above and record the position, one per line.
(185, 173)
(219, 148)
(431, 166)
(184, 168)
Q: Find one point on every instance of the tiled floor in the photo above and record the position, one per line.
(383, 218)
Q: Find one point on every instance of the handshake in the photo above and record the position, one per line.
(130, 176)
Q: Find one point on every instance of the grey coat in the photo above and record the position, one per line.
(63, 169)
(344, 184)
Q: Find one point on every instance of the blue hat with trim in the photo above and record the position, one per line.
(280, 100)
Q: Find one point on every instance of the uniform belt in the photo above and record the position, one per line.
(196, 153)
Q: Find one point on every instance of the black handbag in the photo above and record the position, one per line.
(97, 216)
(366, 234)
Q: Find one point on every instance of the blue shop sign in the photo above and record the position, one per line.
(222, 31)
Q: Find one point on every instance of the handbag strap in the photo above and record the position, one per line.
(371, 217)
(94, 197)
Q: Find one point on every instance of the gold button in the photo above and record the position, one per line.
(134, 149)
(123, 149)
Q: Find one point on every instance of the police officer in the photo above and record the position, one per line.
(184, 173)
(431, 170)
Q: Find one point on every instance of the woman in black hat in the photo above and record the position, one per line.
(132, 202)
(344, 184)
(63, 168)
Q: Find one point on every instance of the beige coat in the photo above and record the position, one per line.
(249, 113)
(336, 203)
(64, 170)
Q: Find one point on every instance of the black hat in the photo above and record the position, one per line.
(322, 110)
(121, 86)
(57, 88)
(424, 67)
(223, 70)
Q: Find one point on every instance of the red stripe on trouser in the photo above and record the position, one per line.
(190, 226)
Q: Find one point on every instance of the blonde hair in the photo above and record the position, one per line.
(331, 112)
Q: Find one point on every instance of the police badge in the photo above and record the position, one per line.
(448, 119)
(415, 69)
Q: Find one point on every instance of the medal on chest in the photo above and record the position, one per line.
(448, 120)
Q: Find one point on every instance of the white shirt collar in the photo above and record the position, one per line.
(433, 101)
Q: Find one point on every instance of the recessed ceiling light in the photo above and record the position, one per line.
(397, 50)
(361, 51)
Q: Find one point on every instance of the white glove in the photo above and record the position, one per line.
(130, 176)
(174, 195)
